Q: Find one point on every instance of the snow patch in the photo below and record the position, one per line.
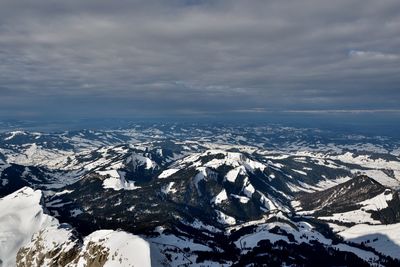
(225, 219)
(222, 196)
(168, 188)
(167, 173)
(116, 181)
(233, 174)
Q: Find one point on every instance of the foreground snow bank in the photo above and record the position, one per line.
(29, 237)
(21, 215)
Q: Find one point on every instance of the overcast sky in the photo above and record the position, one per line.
(121, 58)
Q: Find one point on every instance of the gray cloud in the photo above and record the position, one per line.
(107, 58)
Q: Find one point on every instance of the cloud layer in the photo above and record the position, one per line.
(125, 58)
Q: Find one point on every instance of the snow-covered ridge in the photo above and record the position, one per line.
(138, 160)
(21, 216)
(14, 134)
(167, 173)
(119, 249)
(238, 174)
(34, 238)
(233, 159)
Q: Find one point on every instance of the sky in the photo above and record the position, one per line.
(126, 59)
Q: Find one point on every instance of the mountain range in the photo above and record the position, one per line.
(198, 195)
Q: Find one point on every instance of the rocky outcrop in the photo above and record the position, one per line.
(63, 247)
(50, 247)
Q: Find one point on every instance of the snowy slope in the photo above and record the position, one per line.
(61, 247)
(114, 248)
(21, 215)
(383, 238)
(116, 180)
(34, 238)
(220, 194)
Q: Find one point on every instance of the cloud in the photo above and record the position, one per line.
(103, 58)
(352, 111)
(372, 55)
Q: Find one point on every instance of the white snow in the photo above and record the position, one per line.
(296, 204)
(175, 245)
(383, 238)
(250, 241)
(248, 188)
(204, 173)
(63, 192)
(362, 215)
(225, 219)
(242, 199)
(200, 225)
(328, 183)
(222, 196)
(366, 255)
(176, 242)
(268, 204)
(33, 154)
(138, 160)
(124, 249)
(354, 216)
(367, 161)
(233, 159)
(167, 173)
(300, 172)
(233, 174)
(168, 188)
(380, 177)
(21, 215)
(116, 180)
(295, 188)
(46, 242)
(378, 202)
(13, 134)
(304, 232)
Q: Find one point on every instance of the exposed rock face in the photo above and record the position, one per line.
(94, 256)
(114, 248)
(62, 247)
(50, 247)
(30, 237)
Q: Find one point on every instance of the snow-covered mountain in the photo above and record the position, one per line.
(205, 196)
(31, 237)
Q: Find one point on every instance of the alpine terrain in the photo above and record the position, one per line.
(199, 195)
